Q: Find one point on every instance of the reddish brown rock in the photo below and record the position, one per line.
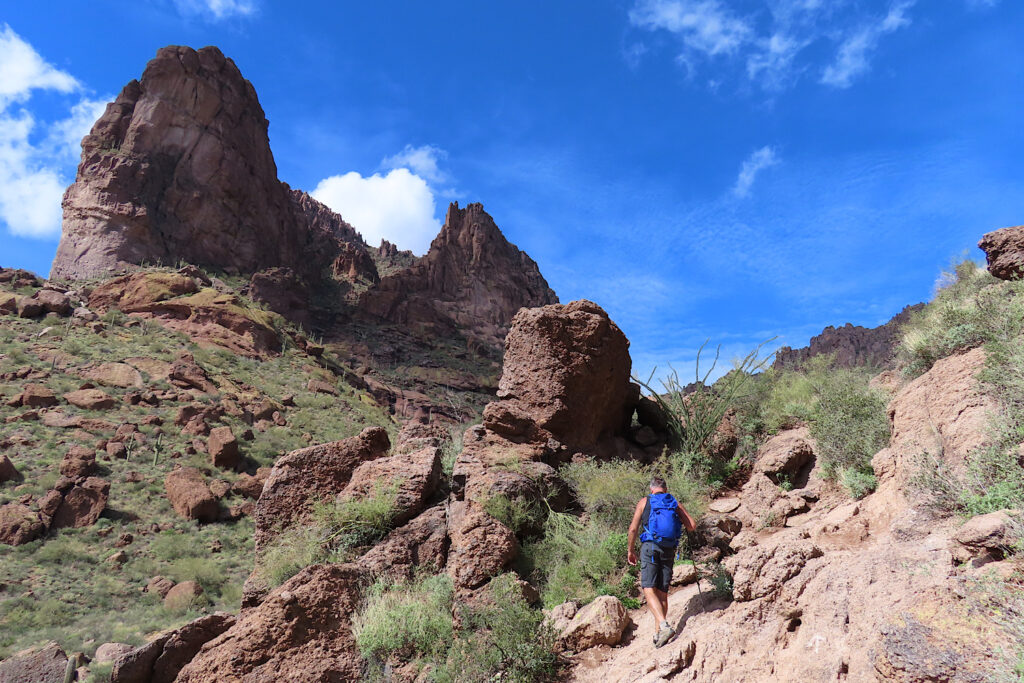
(29, 307)
(471, 277)
(36, 396)
(283, 292)
(762, 570)
(45, 664)
(602, 622)
(90, 399)
(80, 461)
(114, 375)
(181, 595)
(159, 585)
(421, 543)
(187, 374)
(415, 475)
(53, 301)
(160, 660)
(481, 546)
(249, 485)
(318, 386)
(354, 263)
(567, 372)
(223, 448)
(301, 632)
(1004, 251)
(852, 345)
(8, 472)
(111, 652)
(82, 504)
(19, 278)
(789, 454)
(190, 496)
(308, 474)
(19, 524)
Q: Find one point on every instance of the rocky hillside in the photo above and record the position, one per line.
(285, 455)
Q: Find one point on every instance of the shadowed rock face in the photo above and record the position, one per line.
(853, 345)
(1004, 251)
(471, 276)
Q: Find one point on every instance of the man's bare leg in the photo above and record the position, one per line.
(663, 596)
(656, 603)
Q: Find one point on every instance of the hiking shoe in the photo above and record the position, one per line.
(664, 635)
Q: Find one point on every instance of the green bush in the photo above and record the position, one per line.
(518, 514)
(851, 425)
(858, 483)
(332, 534)
(506, 641)
(969, 309)
(406, 620)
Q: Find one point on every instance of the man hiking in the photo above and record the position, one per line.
(662, 518)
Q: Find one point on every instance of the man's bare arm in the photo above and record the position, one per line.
(688, 521)
(634, 529)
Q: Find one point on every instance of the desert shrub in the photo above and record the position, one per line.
(506, 640)
(203, 571)
(858, 482)
(970, 308)
(721, 580)
(521, 515)
(333, 532)
(173, 545)
(851, 423)
(406, 620)
(608, 491)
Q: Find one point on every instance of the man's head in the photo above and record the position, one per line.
(658, 485)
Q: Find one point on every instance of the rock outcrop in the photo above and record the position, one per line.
(161, 659)
(1004, 251)
(179, 167)
(471, 277)
(853, 345)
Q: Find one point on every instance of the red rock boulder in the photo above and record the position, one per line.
(301, 632)
(190, 496)
(566, 371)
(223, 448)
(310, 474)
(19, 524)
(1004, 251)
(45, 664)
(82, 504)
(414, 477)
(161, 659)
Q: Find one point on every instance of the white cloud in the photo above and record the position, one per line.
(398, 207)
(767, 40)
(422, 161)
(704, 26)
(35, 158)
(754, 164)
(23, 70)
(217, 9)
(852, 57)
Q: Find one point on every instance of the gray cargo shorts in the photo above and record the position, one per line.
(656, 565)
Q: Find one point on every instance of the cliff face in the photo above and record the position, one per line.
(179, 168)
(853, 345)
(471, 276)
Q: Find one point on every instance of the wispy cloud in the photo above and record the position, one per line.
(771, 42)
(217, 10)
(852, 58)
(36, 158)
(423, 161)
(754, 164)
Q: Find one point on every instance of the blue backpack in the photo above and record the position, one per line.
(661, 520)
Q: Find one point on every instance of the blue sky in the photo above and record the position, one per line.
(702, 169)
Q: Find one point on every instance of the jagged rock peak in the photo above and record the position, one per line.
(179, 167)
(853, 345)
(471, 276)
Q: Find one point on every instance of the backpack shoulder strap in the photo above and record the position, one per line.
(645, 518)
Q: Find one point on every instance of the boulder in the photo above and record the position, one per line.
(481, 546)
(762, 570)
(788, 454)
(82, 504)
(301, 632)
(19, 524)
(80, 461)
(8, 472)
(421, 543)
(602, 622)
(182, 595)
(415, 475)
(560, 616)
(186, 374)
(161, 660)
(566, 370)
(111, 652)
(223, 448)
(29, 307)
(190, 496)
(318, 386)
(44, 664)
(251, 486)
(1004, 251)
(159, 585)
(53, 301)
(37, 396)
(309, 474)
(115, 375)
(684, 574)
(990, 536)
(90, 399)
(717, 530)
